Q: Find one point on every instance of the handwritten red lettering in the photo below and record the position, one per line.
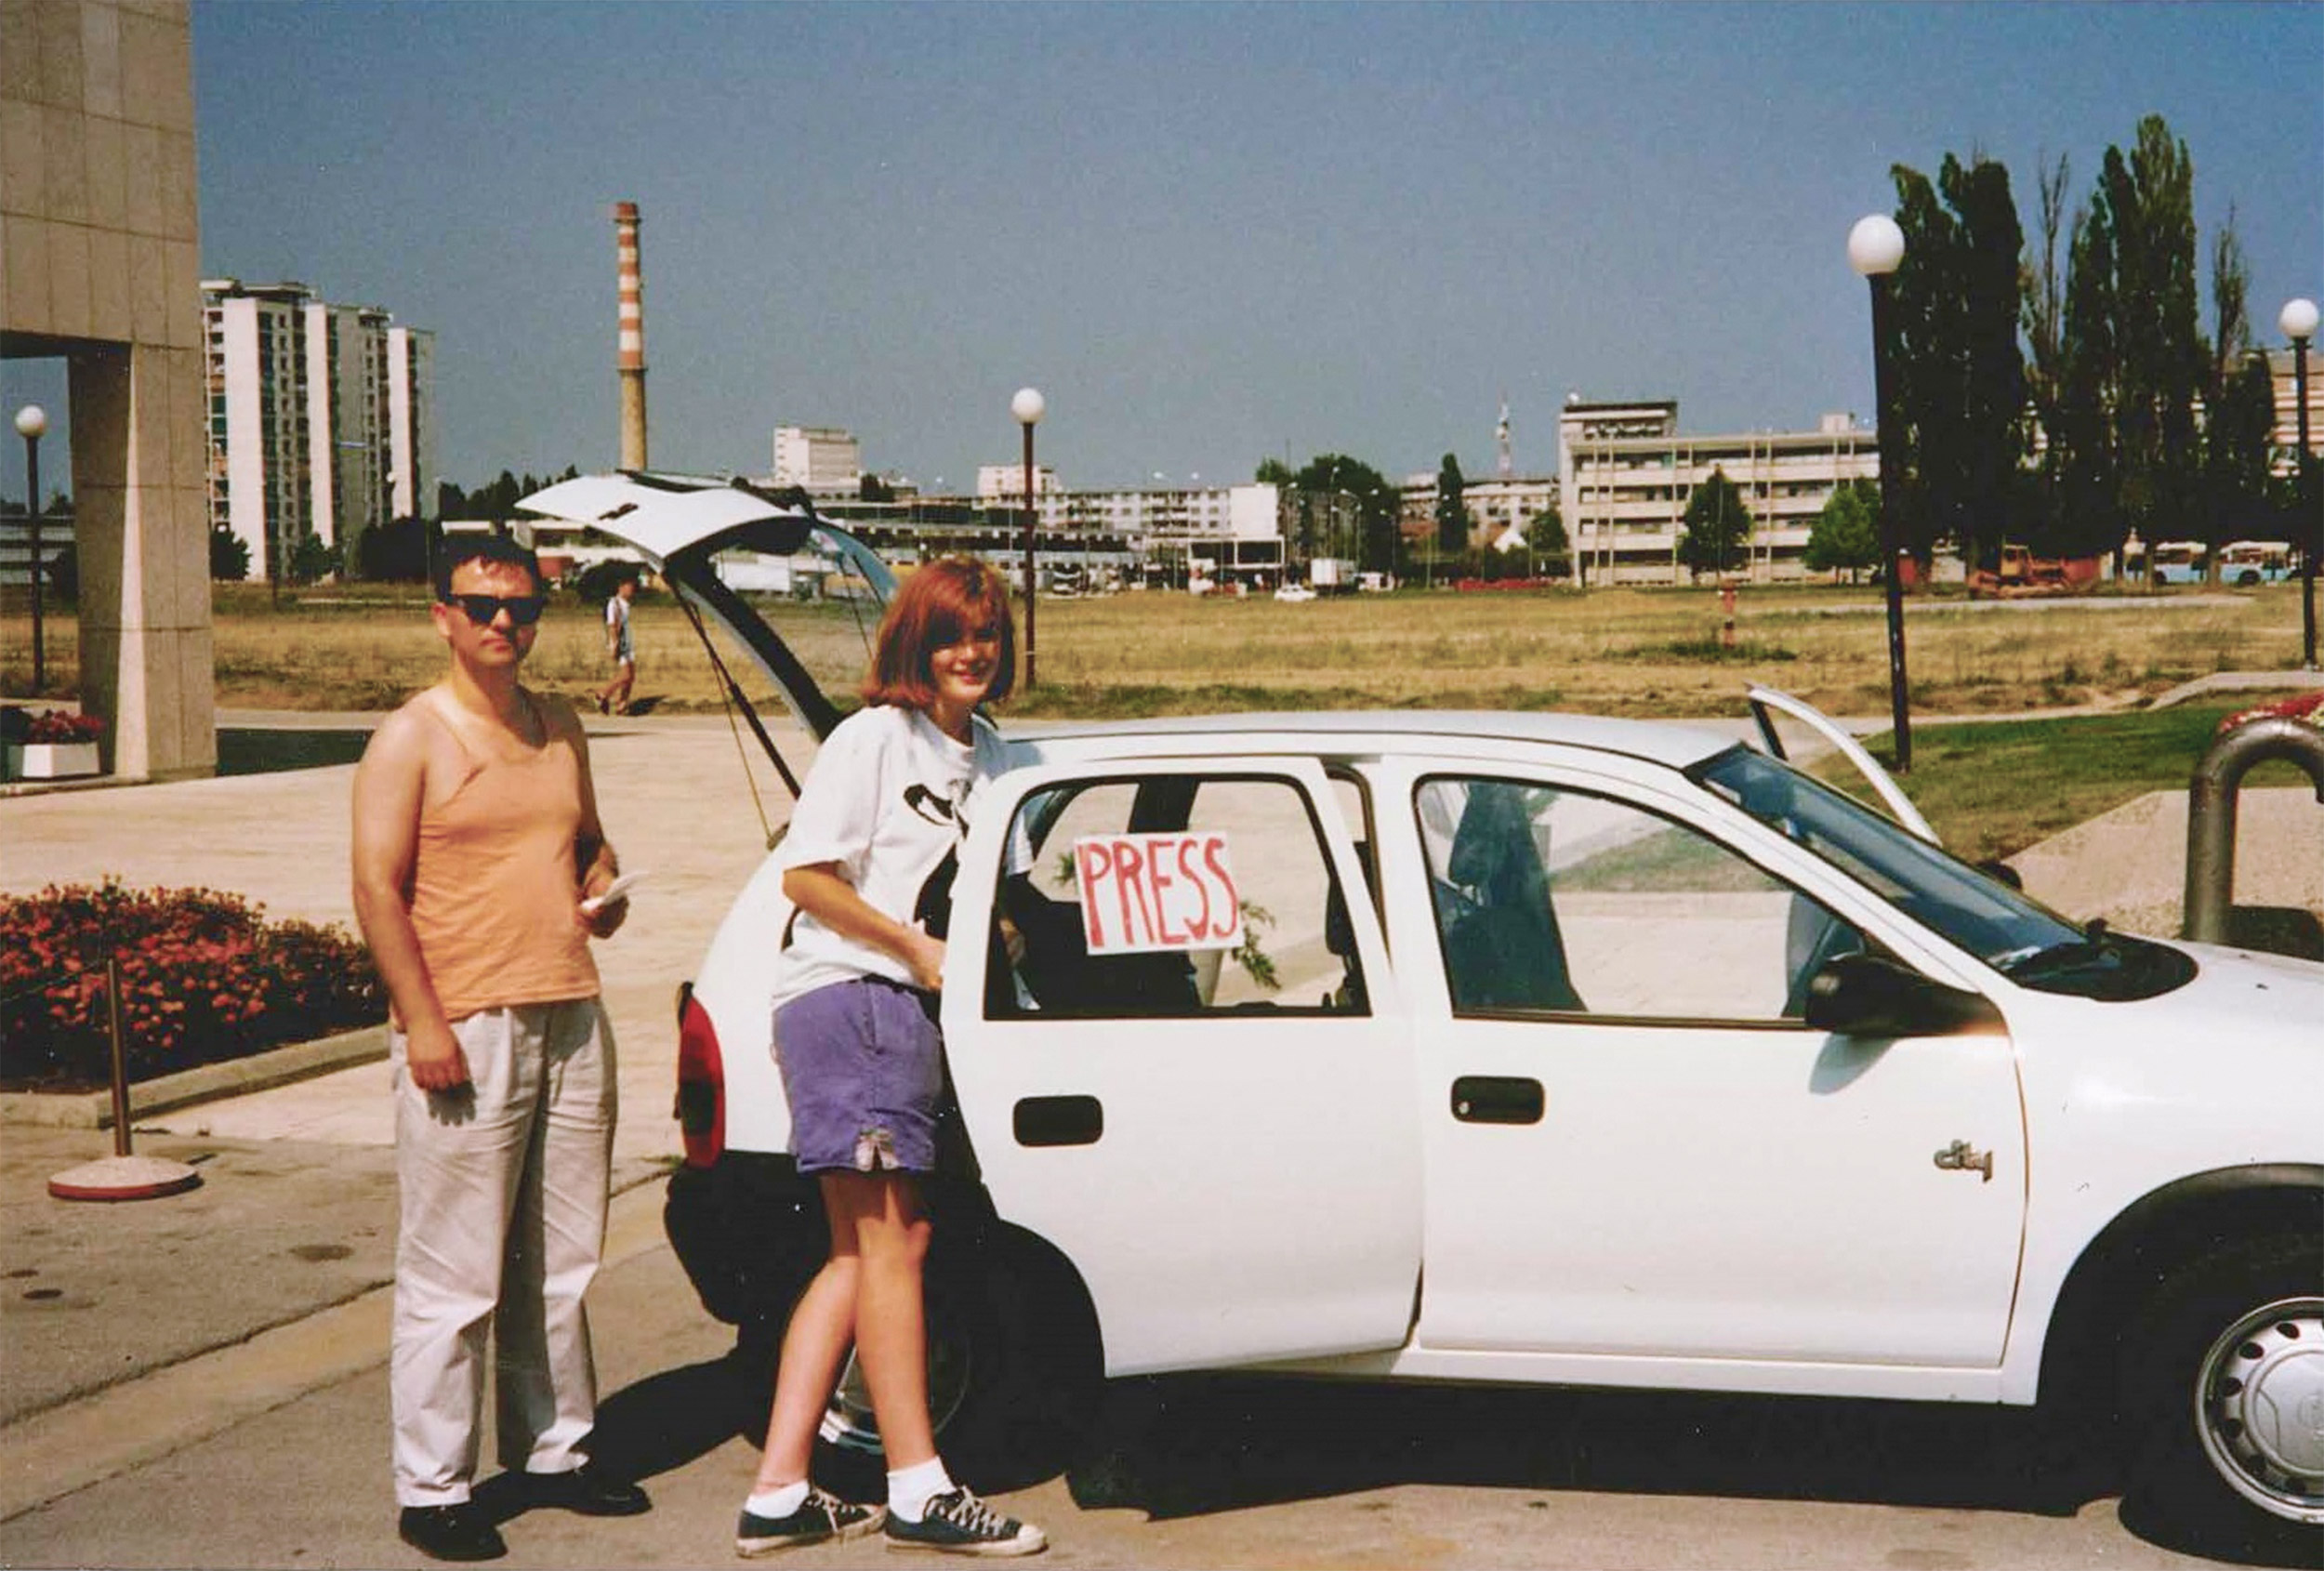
(1093, 861)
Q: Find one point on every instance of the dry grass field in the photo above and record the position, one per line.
(1990, 788)
(1629, 652)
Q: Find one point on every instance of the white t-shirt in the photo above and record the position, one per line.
(888, 800)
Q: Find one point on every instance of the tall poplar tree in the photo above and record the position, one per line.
(1961, 374)
(2149, 201)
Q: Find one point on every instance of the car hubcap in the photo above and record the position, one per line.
(848, 1422)
(2259, 1402)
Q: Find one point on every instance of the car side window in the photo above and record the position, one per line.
(1291, 946)
(1565, 902)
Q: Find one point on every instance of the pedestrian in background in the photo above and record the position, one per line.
(614, 697)
(477, 854)
(868, 864)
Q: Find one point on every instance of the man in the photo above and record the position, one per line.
(614, 697)
(478, 853)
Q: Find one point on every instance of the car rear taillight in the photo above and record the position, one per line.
(701, 1109)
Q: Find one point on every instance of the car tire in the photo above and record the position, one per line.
(2223, 1385)
(1013, 1380)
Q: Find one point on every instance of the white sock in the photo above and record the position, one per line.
(777, 1502)
(910, 1490)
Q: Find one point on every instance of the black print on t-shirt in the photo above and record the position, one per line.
(934, 909)
(928, 805)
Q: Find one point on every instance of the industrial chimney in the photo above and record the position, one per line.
(630, 354)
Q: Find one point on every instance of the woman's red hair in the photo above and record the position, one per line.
(941, 603)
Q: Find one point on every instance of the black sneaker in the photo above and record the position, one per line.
(453, 1532)
(588, 1490)
(959, 1523)
(823, 1519)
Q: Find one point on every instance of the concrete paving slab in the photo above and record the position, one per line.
(93, 1294)
(2129, 865)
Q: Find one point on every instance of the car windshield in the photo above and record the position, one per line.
(2016, 936)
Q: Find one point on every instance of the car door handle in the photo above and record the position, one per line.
(1497, 1099)
(1060, 1120)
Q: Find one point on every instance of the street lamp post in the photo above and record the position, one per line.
(2298, 321)
(32, 422)
(1028, 406)
(1875, 247)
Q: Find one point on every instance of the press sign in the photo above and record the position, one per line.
(1156, 891)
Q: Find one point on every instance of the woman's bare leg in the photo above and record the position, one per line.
(891, 1317)
(822, 1325)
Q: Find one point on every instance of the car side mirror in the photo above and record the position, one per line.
(2001, 872)
(1872, 996)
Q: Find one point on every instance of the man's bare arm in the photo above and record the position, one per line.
(593, 855)
(388, 783)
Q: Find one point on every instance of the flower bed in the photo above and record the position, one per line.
(63, 725)
(204, 978)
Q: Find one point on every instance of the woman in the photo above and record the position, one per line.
(868, 861)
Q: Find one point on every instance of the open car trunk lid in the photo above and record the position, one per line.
(680, 524)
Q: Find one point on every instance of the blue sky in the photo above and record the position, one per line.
(1211, 233)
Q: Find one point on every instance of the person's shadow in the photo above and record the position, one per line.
(651, 1426)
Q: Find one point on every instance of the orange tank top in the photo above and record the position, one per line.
(495, 884)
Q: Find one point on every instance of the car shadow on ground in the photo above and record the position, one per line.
(1194, 1446)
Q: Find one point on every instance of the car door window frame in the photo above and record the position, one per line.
(1360, 976)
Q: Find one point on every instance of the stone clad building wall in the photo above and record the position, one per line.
(99, 266)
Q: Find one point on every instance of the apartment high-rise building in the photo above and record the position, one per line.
(321, 420)
(411, 423)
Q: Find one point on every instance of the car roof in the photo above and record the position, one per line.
(1662, 742)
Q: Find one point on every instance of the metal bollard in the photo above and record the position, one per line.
(2210, 813)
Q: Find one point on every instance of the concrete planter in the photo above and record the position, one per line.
(51, 760)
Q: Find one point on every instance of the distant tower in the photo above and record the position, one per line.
(630, 352)
(1500, 433)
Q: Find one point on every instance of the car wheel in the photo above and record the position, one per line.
(2224, 1381)
(2247, 579)
(1012, 1376)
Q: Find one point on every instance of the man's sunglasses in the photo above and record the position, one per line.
(523, 610)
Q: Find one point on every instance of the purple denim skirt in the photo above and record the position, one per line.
(863, 1065)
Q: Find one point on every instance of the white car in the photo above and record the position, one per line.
(1539, 1050)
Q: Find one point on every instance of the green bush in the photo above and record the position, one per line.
(204, 978)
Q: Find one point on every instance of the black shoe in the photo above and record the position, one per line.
(959, 1523)
(453, 1532)
(824, 1518)
(588, 1490)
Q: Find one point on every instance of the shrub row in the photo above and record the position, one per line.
(205, 977)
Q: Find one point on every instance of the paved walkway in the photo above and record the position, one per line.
(672, 795)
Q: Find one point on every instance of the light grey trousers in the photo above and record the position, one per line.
(502, 1195)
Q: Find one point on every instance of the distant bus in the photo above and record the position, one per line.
(2246, 563)
(2178, 561)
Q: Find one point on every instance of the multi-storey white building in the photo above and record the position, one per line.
(999, 483)
(2282, 369)
(1625, 474)
(321, 420)
(822, 459)
(411, 423)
